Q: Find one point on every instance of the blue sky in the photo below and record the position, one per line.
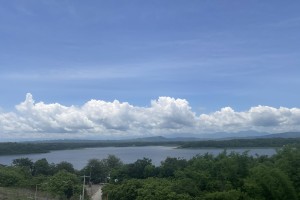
(213, 54)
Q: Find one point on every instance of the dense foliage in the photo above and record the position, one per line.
(258, 142)
(229, 176)
(10, 148)
(59, 180)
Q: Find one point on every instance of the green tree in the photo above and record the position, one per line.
(24, 163)
(186, 186)
(10, 176)
(140, 168)
(128, 190)
(267, 182)
(160, 189)
(42, 167)
(63, 184)
(113, 162)
(146, 189)
(65, 166)
(97, 169)
(227, 195)
(170, 165)
(113, 166)
(120, 173)
(288, 160)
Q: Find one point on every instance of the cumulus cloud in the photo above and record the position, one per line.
(164, 116)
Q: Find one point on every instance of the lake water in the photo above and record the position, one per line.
(80, 157)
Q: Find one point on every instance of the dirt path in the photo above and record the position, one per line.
(98, 194)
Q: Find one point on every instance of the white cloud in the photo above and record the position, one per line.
(165, 116)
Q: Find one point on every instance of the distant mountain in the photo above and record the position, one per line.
(163, 139)
(149, 139)
(283, 135)
(186, 138)
(220, 135)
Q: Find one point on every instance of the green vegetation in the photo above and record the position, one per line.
(59, 181)
(259, 142)
(229, 176)
(226, 176)
(56, 181)
(23, 194)
(10, 148)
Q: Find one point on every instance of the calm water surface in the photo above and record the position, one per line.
(80, 157)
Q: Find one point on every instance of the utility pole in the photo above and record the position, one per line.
(36, 190)
(84, 176)
(90, 183)
(35, 194)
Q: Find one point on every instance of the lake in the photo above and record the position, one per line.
(80, 157)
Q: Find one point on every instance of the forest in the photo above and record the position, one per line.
(257, 142)
(11, 148)
(228, 175)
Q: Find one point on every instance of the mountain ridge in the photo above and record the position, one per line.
(176, 138)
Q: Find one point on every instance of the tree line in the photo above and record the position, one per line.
(11, 148)
(234, 143)
(14, 148)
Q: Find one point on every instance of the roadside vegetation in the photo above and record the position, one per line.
(9, 193)
(52, 181)
(204, 177)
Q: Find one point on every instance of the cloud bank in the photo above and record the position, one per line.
(165, 116)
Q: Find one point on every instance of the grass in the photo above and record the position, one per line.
(22, 194)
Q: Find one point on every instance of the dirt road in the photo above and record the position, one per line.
(98, 194)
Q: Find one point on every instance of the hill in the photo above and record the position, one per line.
(283, 135)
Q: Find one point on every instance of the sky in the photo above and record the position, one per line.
(107, 69)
